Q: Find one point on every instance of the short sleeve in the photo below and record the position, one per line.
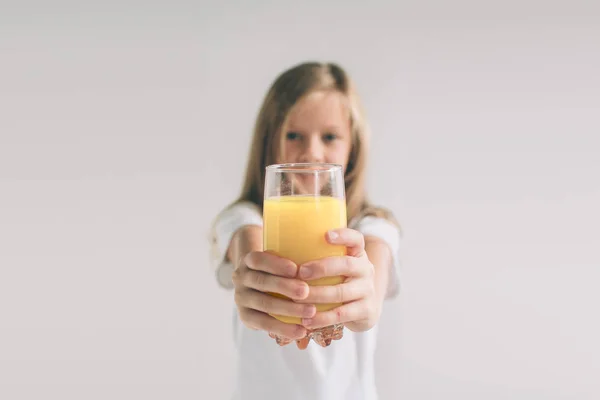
(383, 229)
(225, 225)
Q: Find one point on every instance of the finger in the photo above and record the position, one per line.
(274, 336)
(302, 343)
(352, 239)
(334, 266)
(270, 263)
(354, 311)
(354, 289)
(264, 322)
(282, 341)
(272, 305)
(264, 282)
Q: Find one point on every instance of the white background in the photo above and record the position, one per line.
(124, 129)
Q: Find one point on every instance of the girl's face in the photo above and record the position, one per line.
(317, 130)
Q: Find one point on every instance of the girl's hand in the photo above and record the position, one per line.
(259, 273)
(361, 309)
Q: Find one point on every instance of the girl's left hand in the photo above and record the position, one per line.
(361, 308)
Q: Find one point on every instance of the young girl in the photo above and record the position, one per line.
(311, 113)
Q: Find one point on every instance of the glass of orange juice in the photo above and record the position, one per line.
(302, 202)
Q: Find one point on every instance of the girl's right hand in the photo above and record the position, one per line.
(260, 273)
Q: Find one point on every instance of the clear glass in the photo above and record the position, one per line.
(301, 203)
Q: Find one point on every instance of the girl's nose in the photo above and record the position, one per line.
(314, 151)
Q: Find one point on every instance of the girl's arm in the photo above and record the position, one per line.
(380, 255)
(245, 240)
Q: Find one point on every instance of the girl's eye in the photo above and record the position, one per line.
(329, 137)
(292, 136)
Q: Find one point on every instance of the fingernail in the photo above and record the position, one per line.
(309, 311)
(305, 272)
(306, 321)
(333, 235)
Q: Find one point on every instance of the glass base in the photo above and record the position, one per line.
(322, 336)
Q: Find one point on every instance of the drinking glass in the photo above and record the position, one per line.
(301, 203)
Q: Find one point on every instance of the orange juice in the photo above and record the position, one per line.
(295, 228)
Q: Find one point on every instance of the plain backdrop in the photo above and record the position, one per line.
(124, 129)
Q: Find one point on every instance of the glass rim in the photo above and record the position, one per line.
(304, 167)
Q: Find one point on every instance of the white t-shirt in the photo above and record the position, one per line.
(342, 371)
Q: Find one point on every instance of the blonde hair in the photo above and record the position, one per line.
(284, 93)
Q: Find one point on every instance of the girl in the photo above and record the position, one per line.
(311, 113)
